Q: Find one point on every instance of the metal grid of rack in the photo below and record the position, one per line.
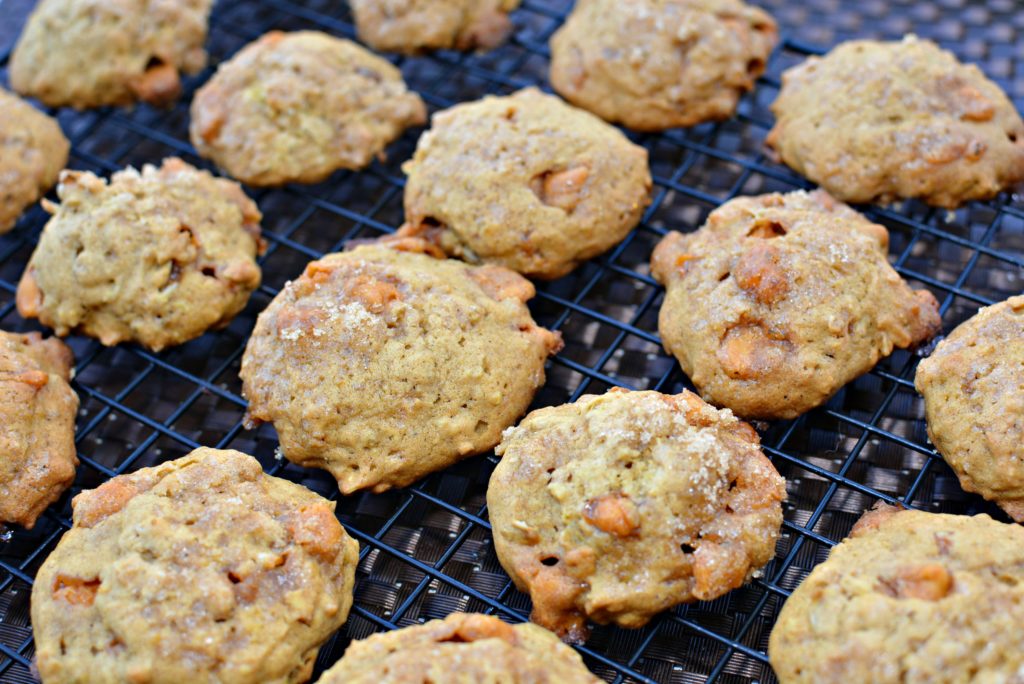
(426, 550)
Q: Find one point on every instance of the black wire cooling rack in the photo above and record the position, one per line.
(425, 550)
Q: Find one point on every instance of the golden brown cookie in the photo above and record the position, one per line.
(526, 182)
(37, 425)
(461, 649)
(657, 64)
(879, 121)
(33, 150)
(156, 257)
(202, 569)
(780, 300)
(90, 53)
(908, 597)
(620, 506)
(296, 107)
(386, 363)
(973, 388)
(414, 26)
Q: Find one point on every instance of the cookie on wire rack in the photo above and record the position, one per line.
(416, 26)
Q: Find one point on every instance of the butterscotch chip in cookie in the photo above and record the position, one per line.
(879, 121)
(296, 107)
(37, 425)
(973, 387)
(657, 64)
(90, 53)
(202, 569)
(463, 648)
(527, 182)
(780, 300)
(414, 26)
(620, 506)
(908, 597)
(386, 363)
(156, 257)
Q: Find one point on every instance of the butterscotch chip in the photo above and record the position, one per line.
(414, 26)
(296, 107)
(780, 300)
(908, 597)
(156, 257)
(202, 569)
(657, 64)
(620, 506)
(37, 425)
(88, 54)
(972, 386)
(461, 649)
(879, 121)
(527, 182)
(385, 363)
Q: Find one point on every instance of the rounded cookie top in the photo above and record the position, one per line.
(413, 26)
(780, 300)
(90, 53)
(463, 648)
(295, 107)
(657, 64)
(619, 506)
(202, 569)
(973, 387)
(908, 597)
(879, 121)
(37, 415)
(527, 182)
(156, 257)
(33, 150)
(383, 364)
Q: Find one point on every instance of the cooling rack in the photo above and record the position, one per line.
(426, 550)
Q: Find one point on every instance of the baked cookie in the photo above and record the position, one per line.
(620, 506)
(527, 182)
(37, 425)
(385, 363)
(414, 26)
(202, 569)
(463, 648)
(780, 300)
(33, 150)
(973, 388)
(91, 53)
(157, 257)
(908, 597)
(296, 107)
(657, 64)
(876, 122)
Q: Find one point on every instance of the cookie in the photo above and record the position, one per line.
(908, 597)
(202, 569)
(415, 26)
(33, 150)
(296, 107)
(37, 425)
(620, 506)
(880, 121)
(526, 182)
(91, 53)
(657, 64)
(463, 648)
(156, 257)
(780, 300)
(386, 363)
(973, 388)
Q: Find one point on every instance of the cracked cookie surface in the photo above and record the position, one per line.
(414, 26)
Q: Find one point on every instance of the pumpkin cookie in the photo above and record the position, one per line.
(620, 506)
(526, 182)
(157, 257)
(780, 300)
(414, 26)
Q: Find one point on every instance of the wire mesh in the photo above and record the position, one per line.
(426, 550)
